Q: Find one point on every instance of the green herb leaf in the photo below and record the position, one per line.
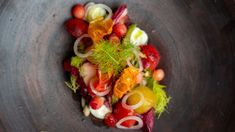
(72, 84)
(160, 93)
(76, 61)
(114, 100)
(111, 58)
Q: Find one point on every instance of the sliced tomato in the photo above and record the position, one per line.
(103, 80)
(96, 102)
(110, 120)
(121, 112)
(152, 56)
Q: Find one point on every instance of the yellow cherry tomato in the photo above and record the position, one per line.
(149, 99)
(158, 74)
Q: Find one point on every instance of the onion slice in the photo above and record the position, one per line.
(128, 61)
(88, 5)
(136, 118)
(77, 43)
(108, 89)
(135, 106)
(108, 9)
(139, 61)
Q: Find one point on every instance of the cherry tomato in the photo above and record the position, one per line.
(121, 112)
(76, 27)
(96, 102)
(152, 57)
(110, 120)
(120, 30)
(114, 38)
(78, 11)
(158, 74)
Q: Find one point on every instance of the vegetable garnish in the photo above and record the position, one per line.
(76, 61)
(116, 72)
(162, 99)
(109, 57)
(72, 84)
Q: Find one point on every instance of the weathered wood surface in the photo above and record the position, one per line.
(195, 37)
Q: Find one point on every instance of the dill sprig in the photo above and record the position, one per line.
(111, 58)
(72, 84)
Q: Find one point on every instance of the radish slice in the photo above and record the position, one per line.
(120, 13)
(136, 118)
(135, 106)
(108, 89)
(77, 43)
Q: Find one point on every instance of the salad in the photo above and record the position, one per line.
(114, 68)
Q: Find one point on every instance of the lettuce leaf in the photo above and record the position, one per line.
(161, 96)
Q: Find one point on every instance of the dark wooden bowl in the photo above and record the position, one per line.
(196, 40)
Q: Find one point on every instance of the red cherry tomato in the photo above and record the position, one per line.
(76, 27)
(110, 120)
(114, 38)
(120, 30)
(78, 11)
(96, 102)
(121, 112)
(153, 57)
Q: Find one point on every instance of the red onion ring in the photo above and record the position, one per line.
(138, 119)
(108, 89)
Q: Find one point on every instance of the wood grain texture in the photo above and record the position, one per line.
(196, 39)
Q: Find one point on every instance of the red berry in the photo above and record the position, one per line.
(120, 30)
(78, 11)
(110, 120)
(96, 102)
